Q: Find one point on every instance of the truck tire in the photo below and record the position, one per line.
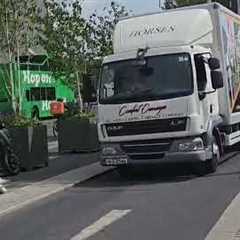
(210, 166)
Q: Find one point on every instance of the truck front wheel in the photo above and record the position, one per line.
(210, 166)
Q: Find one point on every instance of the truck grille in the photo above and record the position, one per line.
(146, 127)
(151, 149)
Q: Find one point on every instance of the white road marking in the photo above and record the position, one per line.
(100, 224)
(52, 145)
(228, 226)
(53, 157)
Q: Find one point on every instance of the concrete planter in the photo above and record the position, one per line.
(77, 135)
(30, 144)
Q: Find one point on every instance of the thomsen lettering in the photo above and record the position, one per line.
(152, 30)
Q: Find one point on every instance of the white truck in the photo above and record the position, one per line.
(171, 90)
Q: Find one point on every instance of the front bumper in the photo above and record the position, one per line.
(147, 157)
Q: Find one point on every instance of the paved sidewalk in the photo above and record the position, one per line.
(17, 198)
(64, 170)
(58, 164)
(61, 166)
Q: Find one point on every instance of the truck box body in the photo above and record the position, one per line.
(210, 26)
(171, 42)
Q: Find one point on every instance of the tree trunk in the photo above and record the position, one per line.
(79, 92)
(19, 102)
(10, 56)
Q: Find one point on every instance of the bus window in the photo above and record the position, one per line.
(35, 94)
(33, 67)
(40, 63)
(50, 93)
(41, 94)
(34, 63)
(23, 59)
(24, 67)
(3, 99)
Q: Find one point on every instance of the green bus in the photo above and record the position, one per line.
(34, 87)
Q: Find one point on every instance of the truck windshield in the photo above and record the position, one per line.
(158, 77)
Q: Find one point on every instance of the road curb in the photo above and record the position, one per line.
(22, 197)
(228, 225)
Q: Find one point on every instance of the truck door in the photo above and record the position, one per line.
(207, 96)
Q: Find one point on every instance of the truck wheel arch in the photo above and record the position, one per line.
(216, 133)
(213, 131)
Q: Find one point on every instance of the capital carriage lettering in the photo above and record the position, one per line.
(152, 30)
(142, 109)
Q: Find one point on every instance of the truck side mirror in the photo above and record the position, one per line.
(217, 79)
(213, 63)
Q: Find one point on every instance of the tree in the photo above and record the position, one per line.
(65, 36)
(169, 4)
(18, 24)
(102, 28)
(76, 45)
(101, 42)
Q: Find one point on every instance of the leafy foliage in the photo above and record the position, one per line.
(19, 32)
(18, 22)
(73, 111)
(18, 121)
(102, 28)
(65, 34)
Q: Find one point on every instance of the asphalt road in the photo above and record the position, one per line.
(169, 203)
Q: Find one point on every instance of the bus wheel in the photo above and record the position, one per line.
(35, 114)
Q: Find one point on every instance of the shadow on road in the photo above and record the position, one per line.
(144, 175)
(231, 173)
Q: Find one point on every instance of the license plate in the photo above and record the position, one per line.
(116, 161)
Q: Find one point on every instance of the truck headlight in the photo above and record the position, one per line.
(109, 151)
(191, 145)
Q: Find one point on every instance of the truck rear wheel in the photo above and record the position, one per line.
(210, 166)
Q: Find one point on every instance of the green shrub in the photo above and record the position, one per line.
(18, 121)
(73, 111)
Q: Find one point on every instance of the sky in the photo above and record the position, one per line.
(137, 6)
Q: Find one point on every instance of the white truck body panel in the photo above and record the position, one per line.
(204, 25)
(164, 30)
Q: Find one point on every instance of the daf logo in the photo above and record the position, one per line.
(176, 122)
(114, 128)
